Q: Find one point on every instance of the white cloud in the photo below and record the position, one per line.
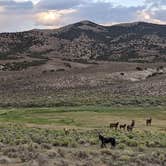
(2, 9)
(53, 17)
(149, 16)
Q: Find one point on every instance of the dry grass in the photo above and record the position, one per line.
(33, 137)
(88, 84)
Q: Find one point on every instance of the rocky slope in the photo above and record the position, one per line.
(86, 40)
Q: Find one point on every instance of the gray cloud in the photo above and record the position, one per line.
(160, 15)
(157, 2)
(103, 12)
(58, 4)
(13, 5)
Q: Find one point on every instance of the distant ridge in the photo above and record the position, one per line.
(138, 41)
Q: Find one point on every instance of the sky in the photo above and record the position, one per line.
(21, 15)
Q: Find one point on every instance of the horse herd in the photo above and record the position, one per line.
(128, 127)
(112, 140)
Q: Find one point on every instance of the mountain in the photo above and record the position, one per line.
(85, 40)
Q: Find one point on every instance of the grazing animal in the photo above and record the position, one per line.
(148, 122)
(106, 140)
(114, 125)
(122, 126)
(66, 131)
(130, 127)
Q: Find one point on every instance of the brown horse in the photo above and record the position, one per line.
(148, 122)
(122, 126)
(114, 125)
(130, 127)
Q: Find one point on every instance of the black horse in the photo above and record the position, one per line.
(106, 140)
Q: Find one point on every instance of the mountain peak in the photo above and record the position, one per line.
(83, 25)
(86, 22)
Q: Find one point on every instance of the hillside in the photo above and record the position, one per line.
(83, 64)
(86, 40)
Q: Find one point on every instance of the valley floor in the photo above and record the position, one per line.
(67, 83)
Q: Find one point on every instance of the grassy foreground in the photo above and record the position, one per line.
(35, 137)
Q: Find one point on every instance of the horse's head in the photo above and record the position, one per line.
(133, 123)
(100, 137)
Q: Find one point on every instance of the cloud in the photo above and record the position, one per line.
(58, 4)
(103, 12)
(149, 16)
(16, 22)
(2, 9)
(16, 16)
(10, 5)
(154, 12)
(161, 15)
(53, 17)
(97, 11)
(156, 2)
(28, 14)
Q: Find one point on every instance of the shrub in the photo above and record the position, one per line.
(61, 152)
(52, 154)
(106, 151)
(4, 160)
(121, 146)
(132, 143)
(43, 160)
(46, 146)
(139, 68)
(124, 157)
(82, 154)
(52, 70)
(59, 70)
(141, 148)
(67, 65)
(150, 144)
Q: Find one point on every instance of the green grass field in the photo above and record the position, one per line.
(84, 117)
(36, 136)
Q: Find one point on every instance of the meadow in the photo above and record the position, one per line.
(36, 136)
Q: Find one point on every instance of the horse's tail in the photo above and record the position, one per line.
(113, 142)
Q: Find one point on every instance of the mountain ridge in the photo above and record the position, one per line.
(138, 41)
